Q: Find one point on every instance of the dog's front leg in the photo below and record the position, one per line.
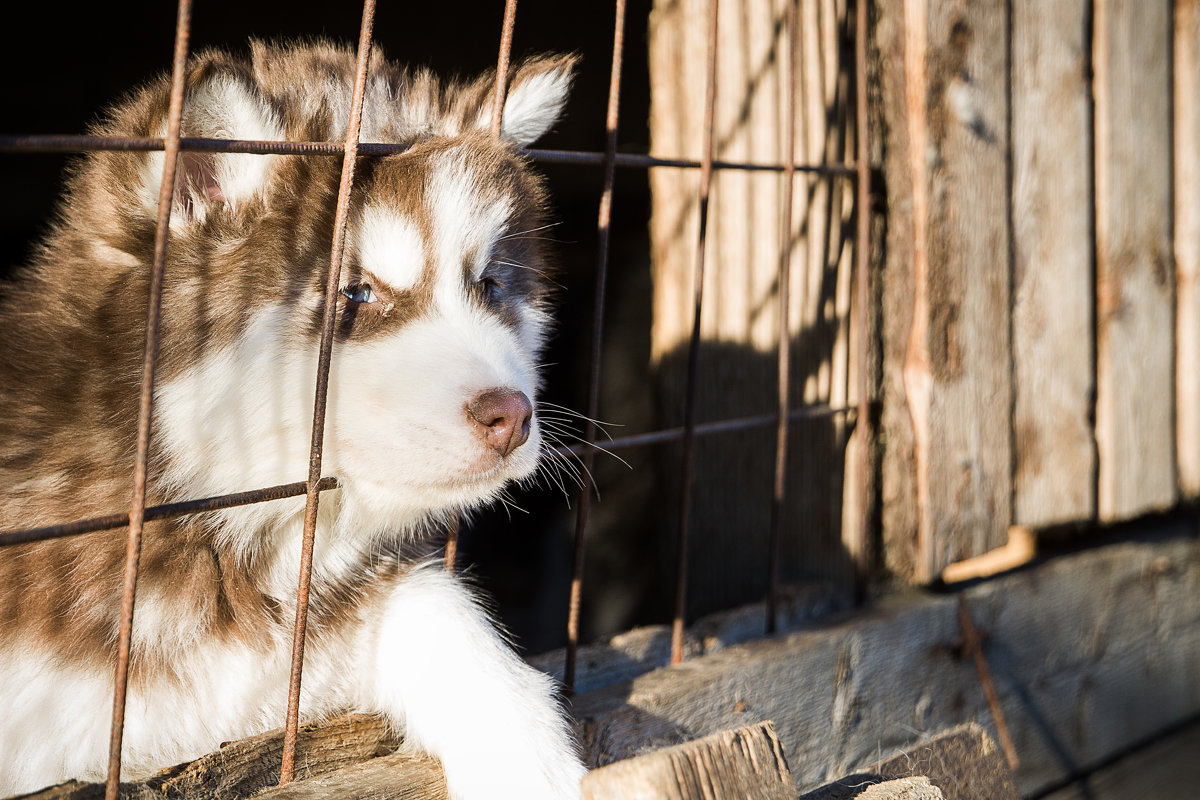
(439, 669)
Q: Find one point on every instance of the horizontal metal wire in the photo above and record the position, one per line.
(165, 511)
(184, 508)
(75, 143)
(719, 426)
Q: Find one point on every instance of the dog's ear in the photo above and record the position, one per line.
(537, 92)
(222, 102)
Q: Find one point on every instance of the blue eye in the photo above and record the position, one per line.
(359, 293)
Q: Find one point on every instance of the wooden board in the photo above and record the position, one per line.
(638, 651)
(1053, 361)
(1135, 402)
(962, 763)
(947, 353)
(746, 762)
(1169, 768)
(1088, 653)
(1187, 241)
(247, 766)
(400, 776)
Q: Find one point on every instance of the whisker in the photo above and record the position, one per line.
(530, 230)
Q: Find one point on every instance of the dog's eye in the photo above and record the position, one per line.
(359, 293)
(491, 289)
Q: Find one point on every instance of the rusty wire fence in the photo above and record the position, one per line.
(855, 174)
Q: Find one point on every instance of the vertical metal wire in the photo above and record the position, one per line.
(589, 434)
(287, 769)
(861, 546)
(785, 332)
(137, 508)
(506, 37)
(450, 559)
(689, 408)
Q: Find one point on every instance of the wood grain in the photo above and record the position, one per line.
(947, 491)
(1053, 361)
(1087, 653)
(962, 763)
(1167, 769)
(1187, 240)
(1135, 402)
(746, 762)
(247, 766)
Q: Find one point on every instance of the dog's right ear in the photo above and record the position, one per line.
(222, 102)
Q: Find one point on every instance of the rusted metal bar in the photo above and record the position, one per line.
(646, 162)
(710, 428)
(451, 556)
(165, 511)
(72, 143)
(506, 37)
(973, 647)
(589, 435)
(779, 493)
(137, 506)
(689, 407)
(287, 770)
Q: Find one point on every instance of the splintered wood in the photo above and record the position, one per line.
(747, 762)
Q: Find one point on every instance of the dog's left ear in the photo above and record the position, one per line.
(537, 92)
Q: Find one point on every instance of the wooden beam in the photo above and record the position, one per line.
(746, 762)
(400, 776)
(1053, 361)
(636, 652)
(1187, 241)
(947, 390)
(1168, 768)
(247, 766)
(1087, 652)
(1135, 402)
(917, 788)
(962, 763)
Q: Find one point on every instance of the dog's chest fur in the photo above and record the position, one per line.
(442, 300)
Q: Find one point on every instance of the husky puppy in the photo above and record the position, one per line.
(440, 320)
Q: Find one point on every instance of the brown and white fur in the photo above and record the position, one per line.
(433, 379)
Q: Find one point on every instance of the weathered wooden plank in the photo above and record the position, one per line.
(636, 652)
(244, 767)
(1187, 241)
(1167, 769)
(1055, 462)
(918, 788)
(400, 776)
(964, 763)
(947, 376)
(1135, 402)
(1087, 653)
(915, 788)
(746, 762)
(960, 764)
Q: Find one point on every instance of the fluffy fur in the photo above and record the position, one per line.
(442, 301)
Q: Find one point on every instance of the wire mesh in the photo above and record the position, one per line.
(856, 414)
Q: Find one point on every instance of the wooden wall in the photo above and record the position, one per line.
(1038, 318)
(1040, 309)
(746, 237)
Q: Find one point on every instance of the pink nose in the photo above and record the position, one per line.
(503, 415)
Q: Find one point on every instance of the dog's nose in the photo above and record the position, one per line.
(504, 416)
